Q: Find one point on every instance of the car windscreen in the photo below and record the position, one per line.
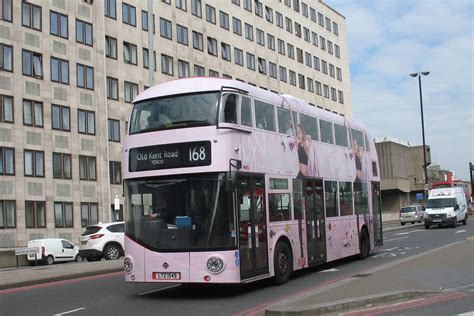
(441, 203)
(91, 230)
(408, 209)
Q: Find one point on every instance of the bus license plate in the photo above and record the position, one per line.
(167, 276)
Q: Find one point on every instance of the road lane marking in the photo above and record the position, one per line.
(461, 231)
(395, 239)
(72, 311)
(412, 231)
(158, 290)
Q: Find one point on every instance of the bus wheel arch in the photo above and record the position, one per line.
(364, 243)
(282, 261)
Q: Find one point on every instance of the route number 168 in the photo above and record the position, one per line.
(197, 153)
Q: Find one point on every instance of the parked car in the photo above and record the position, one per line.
(53, 250)
(412, 214)
(102, 240)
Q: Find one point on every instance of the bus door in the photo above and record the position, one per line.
(252, 226)
(315, 220)
(377, 214)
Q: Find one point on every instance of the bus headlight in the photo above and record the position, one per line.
(128, 264)
(215, 265)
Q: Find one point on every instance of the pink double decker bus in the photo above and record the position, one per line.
(225, 182)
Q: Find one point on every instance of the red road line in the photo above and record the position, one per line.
(410, 304)
(55, 283)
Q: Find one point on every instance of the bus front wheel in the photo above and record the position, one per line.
(282, 263)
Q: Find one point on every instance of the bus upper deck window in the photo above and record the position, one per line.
(229, 105)
(246, 112)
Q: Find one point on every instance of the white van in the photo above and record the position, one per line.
(52, 250)
(446, 206)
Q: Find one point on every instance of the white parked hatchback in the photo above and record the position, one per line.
(102, 240)
(53, 250)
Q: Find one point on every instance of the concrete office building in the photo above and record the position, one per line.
(70, 69)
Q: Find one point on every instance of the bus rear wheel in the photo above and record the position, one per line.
(364, 244)
(282, 263)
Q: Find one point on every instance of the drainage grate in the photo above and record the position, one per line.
(362, 275)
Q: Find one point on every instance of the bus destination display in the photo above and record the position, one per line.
(168, 156)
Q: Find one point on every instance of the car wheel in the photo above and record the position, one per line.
(282, 263)
(49, 260)
(413, 222)
(455, 223)
(464, 221)
(78, 258)
(111, 252)
(427, 226)
(403, 224)
(364, 245)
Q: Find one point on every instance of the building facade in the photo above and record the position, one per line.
(70, 70)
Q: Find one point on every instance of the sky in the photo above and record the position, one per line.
(388, 40)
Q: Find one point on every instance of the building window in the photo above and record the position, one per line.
(291, 51)
(298, 29)
(272, 70)
(324, 66)
(83, 32)
(237, 26)
(211, 46)
(269, 14)
(58, 24)
(129, 53)
(182, 34)
(262, 66)
(115, 168)
(304, 9)
(35, 213)
(86, 122)
(283, 74)
(61, 166)
(301, 82)
(7, 161)
(60, 117)
(6, 10)
(248, 5)
(331, 70)
(238, 56)
(7, 214)
(213, 73)
(326, 91)
(32, 64)
(328, 24)
(183, 69)
(63, 214)
(210, 14)
(110, 47)
(31, 16)
(317, 63)
(289, 25)
(330, 47)
(338, 74)
(198, 41)
(281, 47)
(145, 21)
(110, 9)
(6, 109)
(59, 70)
(114, 130)
(196, 8)
(320, 19)
(309, 83)
(85, 77)
(34, 163)
(249, 32)
(112, 88)
(6, 57)
(130, 91)
(181, 4)
(314, 39)
(89, 214)
(165, 28)
(292, 77)
(337, 51)
(199, 71)
(322, 43)
(129, 14)
(224, 19)
(260, 37)
(333, 94)
(146, 59)
(225, 51)
(299, 55)
(308, 59)
(340, 96)
(236, 2)
(167, 64)
(279, 19)
(335, 28)
(258, 9)
(32, 113)
(250, 61)
(319, 90)
(87, 168)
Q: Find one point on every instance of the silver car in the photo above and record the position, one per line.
(412, 214)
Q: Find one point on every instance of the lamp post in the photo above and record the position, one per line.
(419, 74)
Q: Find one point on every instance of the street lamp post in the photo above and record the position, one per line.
(419, 74)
